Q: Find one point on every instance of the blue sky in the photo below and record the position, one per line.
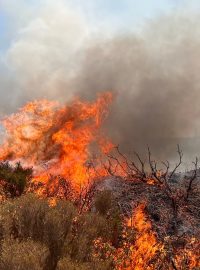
(126, 10)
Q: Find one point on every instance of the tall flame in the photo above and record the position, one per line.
(56, 139)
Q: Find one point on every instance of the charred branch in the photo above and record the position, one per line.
(192, 178)
(180, 154)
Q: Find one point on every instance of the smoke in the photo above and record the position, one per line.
(155, 77)
(43, 51)
(153, 74)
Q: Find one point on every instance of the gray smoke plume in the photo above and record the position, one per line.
(153, 74)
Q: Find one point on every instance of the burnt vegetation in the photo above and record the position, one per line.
(54, 227)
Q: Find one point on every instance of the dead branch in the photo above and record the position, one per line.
(153, 167)
(193, 177)
(180, 154)
(109, 168)
(133, 168)
(167, 166)
(126, 161)
(85, 196)
(142, 171)
(118, 162)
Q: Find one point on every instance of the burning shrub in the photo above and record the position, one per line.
(142, 253)
(58, 237)
(181, 252)
(59, 136)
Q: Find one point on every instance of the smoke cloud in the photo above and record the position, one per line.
(43, 52)
(153, 74)
(155, 78)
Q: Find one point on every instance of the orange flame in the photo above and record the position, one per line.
(56, 140)
(145, 246)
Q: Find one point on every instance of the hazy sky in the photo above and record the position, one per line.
(101, 15)
(44, 39)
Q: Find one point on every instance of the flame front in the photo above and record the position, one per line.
(146, 245)
(55, 139)
(142, 252)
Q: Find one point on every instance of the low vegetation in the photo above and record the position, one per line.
(149, 220)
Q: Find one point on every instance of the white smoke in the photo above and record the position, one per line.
(45, 51)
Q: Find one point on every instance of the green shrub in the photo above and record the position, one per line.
(14, 178)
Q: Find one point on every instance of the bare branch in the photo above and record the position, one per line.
(193, 177)
(142, 171)
(125, 159)
(153, 167)
(118, 162)
(180, 154)
(167, 166)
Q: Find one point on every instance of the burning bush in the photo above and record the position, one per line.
(56, 139)
(91, 231)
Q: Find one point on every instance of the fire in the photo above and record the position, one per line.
(146, 252)
(146, 245)
(144, 249)
(55, 139)
(188, 257)
(58, 141)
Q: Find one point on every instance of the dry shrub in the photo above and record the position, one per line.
(103, 202)
(88, 227)
(58, 222)
(23, 255)
(24, 217)
(67, 264)
(106, 205)
(29, 217)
